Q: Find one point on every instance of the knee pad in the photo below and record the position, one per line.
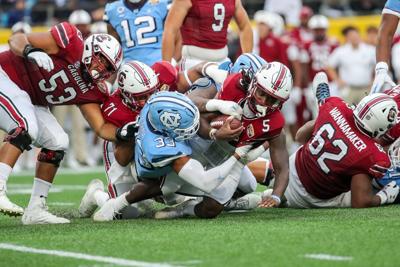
(51, 156)
(19, 138)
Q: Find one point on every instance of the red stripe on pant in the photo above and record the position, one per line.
(8, 106)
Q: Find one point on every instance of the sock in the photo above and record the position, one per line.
(189, 208)
(101, 197)
(5, 171)
(121, 202)
(40, 190)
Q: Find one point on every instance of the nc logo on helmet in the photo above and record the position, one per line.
(170, 120)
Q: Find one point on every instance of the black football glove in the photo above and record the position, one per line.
(128, 132)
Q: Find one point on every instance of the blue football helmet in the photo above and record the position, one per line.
(248, 61)
(174, 115)
(393, 174)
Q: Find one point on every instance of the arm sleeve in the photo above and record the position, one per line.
(193, 172)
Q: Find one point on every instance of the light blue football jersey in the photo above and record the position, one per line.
(154, 152)
(140, 30)
(393, 5)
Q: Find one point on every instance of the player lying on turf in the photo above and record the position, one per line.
(136, 83)
(262, 120)
(166, 123)
(340, 157)
(43, 69)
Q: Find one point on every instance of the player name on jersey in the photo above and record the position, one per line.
(75, 73)
(346, 129)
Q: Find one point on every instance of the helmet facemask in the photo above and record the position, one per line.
(136, 101)
(261, 101)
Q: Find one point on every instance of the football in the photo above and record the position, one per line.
(217, 122)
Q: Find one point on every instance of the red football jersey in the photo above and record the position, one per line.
(301, 35)
(206, 24)
(167, 75)
(318, 54)
(116, 112)
(390, 136)
(257, 130)
(64, 85)
(273, 49)
(336, 152)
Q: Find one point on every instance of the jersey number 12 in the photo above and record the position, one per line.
(150, 27)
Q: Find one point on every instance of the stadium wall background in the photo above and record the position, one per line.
(336, 25)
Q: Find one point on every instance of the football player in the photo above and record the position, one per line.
(167, 122)
(44, 69)
(138, 25)
(136, 83)
(335, 166)
(387, 29)
(261, 97)
(203, 26)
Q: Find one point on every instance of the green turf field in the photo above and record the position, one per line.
(274, 237)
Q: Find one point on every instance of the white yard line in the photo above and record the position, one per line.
(328, 257)
(26, 189)
(81, 256)
(80, 170)
(60, 203)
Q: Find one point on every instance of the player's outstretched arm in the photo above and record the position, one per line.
(361, 192)
(92, 113)
(245, 30)
(173, 23)
(383, 50)
(40, 40)
(386, 32)
(305, 132)
(111, 31)
(280, 161)
(123, 152)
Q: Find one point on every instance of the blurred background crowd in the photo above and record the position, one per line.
(294, 32)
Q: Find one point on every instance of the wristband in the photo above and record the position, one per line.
(276, 198)
(381, 66)
(212, 134)
(29, 49)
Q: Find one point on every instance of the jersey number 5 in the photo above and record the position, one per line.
(318, 143)
(219, 17)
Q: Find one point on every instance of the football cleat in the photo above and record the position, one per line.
(6, 206)
(88, 203)
(177, 211)
(247, 202)
(321, 87)
(38, 214)
(108, 212)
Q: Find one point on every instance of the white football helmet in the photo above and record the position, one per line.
(136, 83)
(105, 52)
(270, 87)
(80, 16)
(318, 22)
(375, 114)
